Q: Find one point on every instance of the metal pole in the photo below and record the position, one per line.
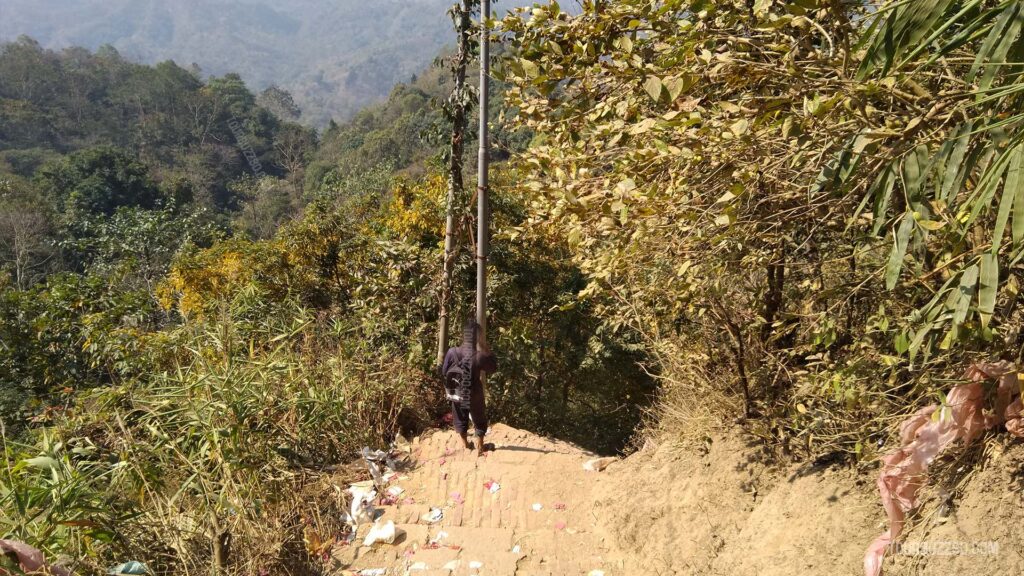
(482, 235)
(456, 184)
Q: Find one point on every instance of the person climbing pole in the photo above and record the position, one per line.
(461, 373)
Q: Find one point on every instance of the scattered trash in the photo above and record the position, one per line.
(396, 491)
(435, 515)
(378, 461)
(362, 510)
(457, 498)
(474, 565)
(443, 461)
(373, 572)
(452, 565)
(492, 486)
(559, 525)
(559, 506)
(537, 507)
(595, 573)
(435, 543)
(381, 533)
(419, 566)
(517, 549)
(130, 568)
(409, 500)
(598, 464)
(929, 431)
(389, 476)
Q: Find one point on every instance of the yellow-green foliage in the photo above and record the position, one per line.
(796, 203)
(196, 283)
(417, 211)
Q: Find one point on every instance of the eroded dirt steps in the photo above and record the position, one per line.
(485, 532)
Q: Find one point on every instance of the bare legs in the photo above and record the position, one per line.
(479, 440)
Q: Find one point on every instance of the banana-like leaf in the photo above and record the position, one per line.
(988, 288)
(899, 250)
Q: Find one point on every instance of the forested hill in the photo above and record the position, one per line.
(334, 56)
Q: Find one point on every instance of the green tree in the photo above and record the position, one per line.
(98, 181)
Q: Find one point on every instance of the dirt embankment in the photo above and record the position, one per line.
(720, 509)
(530, 508)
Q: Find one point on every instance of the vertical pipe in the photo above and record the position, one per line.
(482, 234)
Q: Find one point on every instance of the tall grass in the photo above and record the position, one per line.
(204, 467)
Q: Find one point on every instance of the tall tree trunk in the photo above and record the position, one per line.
(457, 105)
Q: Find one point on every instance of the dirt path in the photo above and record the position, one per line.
(490, 533)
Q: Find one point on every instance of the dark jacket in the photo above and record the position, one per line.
(485, 361)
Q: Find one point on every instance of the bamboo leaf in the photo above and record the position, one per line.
(882, 49)
(1006, 201)
(42, 462)
(1002, 36)
(988, 288)
(915, 172)
(918, 339)
(965, 294)
(899, 250)
(1017, 189)
(903, 29)
(945, 25)
(954, 167)
(987, 187)
(968, 33)
(881, 190)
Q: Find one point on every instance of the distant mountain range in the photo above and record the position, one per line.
(334, 56)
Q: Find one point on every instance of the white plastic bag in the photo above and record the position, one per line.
(362, 510)
(384, 533)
